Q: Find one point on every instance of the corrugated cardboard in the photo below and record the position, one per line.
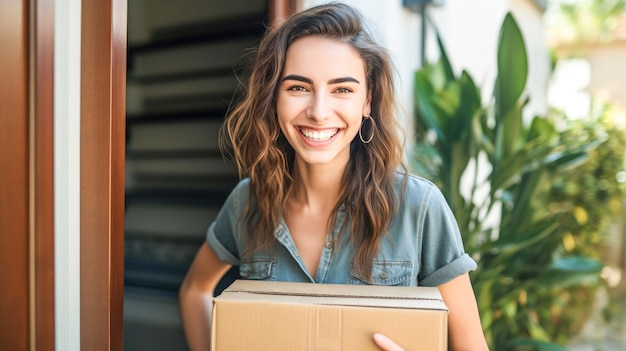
(276, 316)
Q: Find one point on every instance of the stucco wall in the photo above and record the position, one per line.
(608, 81)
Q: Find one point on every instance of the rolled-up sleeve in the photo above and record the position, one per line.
(443, 256)
(224, 234)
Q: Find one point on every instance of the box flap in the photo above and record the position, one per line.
(336, 294)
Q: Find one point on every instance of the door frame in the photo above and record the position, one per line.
(278, 10)
(102, 147)
(27, 177)
(42, 176)
(14, 182)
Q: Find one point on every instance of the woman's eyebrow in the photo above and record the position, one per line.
(343, 80)
(298, 78)
(310, 81)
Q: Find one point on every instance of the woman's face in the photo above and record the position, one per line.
(322, 97)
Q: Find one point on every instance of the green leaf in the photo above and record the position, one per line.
(510, 309)
(572, 271)
(523, 212)
(538, 332)
(468, 112)
(443, 56)
(577, 264)
(445, 62)
(512, 65)
(508, 171)
(564, 160)
(470, 98)
(524, 239)
(426, 108)
(540, 130)
(426, 161)
(446, 103)
(510, 129)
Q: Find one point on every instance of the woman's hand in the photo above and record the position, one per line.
(385, 343)
(464, 330)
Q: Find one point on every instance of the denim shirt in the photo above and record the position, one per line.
(424, 246)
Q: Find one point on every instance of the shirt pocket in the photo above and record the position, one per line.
(257, 268)
(385, 273)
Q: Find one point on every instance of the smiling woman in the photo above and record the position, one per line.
(325, 198)
(320, 107)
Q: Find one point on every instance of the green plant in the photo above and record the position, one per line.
(592, 197)
(496, 173)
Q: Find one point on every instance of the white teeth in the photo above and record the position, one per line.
(315, 135)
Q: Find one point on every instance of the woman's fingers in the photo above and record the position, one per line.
(385, 343)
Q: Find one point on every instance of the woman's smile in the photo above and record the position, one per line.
(316, 135)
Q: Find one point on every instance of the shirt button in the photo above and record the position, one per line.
(383, 275)
(329, 244)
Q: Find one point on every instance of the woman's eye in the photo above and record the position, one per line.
(297, 88)
(343, 90)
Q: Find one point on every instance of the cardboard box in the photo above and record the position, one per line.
(258, 315)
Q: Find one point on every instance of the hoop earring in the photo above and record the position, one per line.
(361, 128)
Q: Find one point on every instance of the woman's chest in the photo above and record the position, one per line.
(309, 233)
(397, 263)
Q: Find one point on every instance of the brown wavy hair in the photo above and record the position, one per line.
(262, 154)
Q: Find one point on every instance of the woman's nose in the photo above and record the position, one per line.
(319, 108)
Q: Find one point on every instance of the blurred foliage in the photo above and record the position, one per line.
(593, 195)
(586, 21)
(512, 186)
(592, 198)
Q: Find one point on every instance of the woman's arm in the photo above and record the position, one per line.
(195, 297)
(464, 329)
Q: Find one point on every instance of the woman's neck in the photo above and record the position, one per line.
(316, 187)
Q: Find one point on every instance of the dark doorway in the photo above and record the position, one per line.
(182, 59)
